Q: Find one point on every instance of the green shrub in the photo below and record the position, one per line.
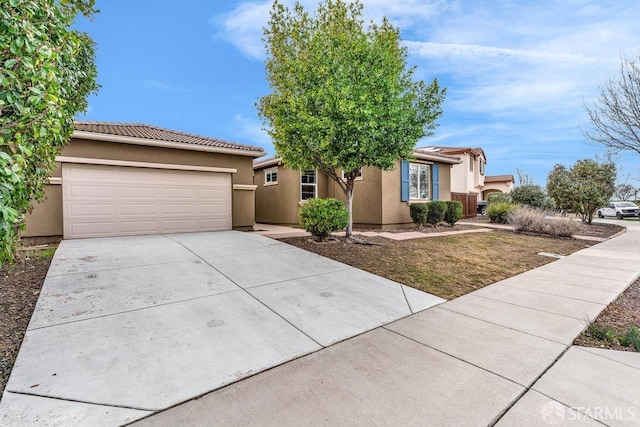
(499, 198)
(418, 212)
(321, 217)
(601, 333)
(631, 338)
(499, 212)
(435, 213)
(532, 195)
(453, 213)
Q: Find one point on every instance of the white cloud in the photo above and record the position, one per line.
(252, 130)
(164, 86)
(243, 26)
(516, 72)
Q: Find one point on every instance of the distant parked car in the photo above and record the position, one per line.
(482, 207)
(619, 210)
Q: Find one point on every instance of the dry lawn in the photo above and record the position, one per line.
(447, 266)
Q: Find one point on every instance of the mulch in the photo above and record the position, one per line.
(619, 316)
(20, 285)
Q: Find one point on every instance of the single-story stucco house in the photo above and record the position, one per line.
(381, 198)
(119, 179)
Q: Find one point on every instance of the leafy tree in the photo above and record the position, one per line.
(615, 118)
(559, 187)
(626, 192)
(342, 95)
(528, 194)
(47, 71)
(584, 188)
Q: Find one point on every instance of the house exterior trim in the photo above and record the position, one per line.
(163, 144)
(108, 162)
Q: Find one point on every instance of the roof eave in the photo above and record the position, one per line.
(266, 163)
(437, 158)
(98, 136)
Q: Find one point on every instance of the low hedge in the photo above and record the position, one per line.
(453, 213)
(321, 217)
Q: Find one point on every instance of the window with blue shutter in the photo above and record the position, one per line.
(404, 180)
(435, 182)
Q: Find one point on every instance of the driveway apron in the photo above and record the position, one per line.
(128, 326)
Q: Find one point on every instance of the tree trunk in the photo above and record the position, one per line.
(348, 193)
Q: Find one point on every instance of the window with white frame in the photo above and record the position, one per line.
(271, 176)
(419, 181)
(472, 160)
(308, 185)
(481, 166)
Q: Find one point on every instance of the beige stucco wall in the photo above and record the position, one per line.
(503, 187)
(367, 197)
(243, 205)
(376, 200)
(462, 179)
(395, 211)
(46, 217)
(277, 203)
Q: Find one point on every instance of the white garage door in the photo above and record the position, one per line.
(103, 201)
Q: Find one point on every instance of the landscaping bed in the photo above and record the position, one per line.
(591, 230)
(613, 329)
(446, 266)
(20, 285)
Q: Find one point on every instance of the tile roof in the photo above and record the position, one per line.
(144, 131)
(498, 178)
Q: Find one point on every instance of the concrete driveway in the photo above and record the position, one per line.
(128, 326)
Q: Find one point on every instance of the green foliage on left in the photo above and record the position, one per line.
(47, 71)
(321, 217)
(454, 212)
(342, 96)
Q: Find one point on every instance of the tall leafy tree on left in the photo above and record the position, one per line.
(47, 72)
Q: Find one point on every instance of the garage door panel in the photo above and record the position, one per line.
(178, 193)
(91, 190)
(104, 200)
(92, 208)
(95, 228)
(138, 191)
(178, 226)
(139, 209)
(130, 227)
(214, 209)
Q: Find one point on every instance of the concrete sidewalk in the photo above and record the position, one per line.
(502, 354)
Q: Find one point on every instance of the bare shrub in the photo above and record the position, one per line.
(535, 221)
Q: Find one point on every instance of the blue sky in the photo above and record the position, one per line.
(516, 71)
